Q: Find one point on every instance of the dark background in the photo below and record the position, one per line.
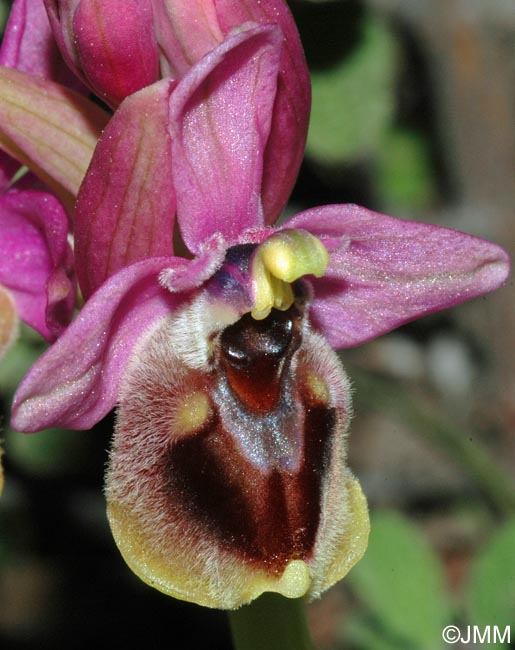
(413, 114)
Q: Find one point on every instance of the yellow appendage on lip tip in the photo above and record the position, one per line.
(228, 584)
(295, 580)
(280, 260)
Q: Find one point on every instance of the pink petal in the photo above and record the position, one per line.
(186, 30)
(49, 128)
(198, 270)
(29, 45)
(36, 260)
(220, 116)
(384, 272)
(189, 29)
(77, 381)
(126, 206)
(116, 46)
(285, 147)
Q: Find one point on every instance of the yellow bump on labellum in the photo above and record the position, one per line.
(295, 580)
(8, 321)
(280, 260)
(318, 387)
(191, 413)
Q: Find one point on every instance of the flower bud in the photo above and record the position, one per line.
(109, 44)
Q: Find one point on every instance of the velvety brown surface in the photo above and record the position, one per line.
(267, 518)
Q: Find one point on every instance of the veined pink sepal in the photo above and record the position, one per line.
(285, 147)
(116, 46)
(220, 116)
(384, 272)
(74, 386)
(109, 44)
(188, 29)
(125, 210)
(76, 382)
(28, 44)
(49, 128)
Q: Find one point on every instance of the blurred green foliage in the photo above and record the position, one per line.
(401, 584)
(353, 101)
(491, 590)
(25, 351)
(354, 120)
(52, 452)
(404, 176)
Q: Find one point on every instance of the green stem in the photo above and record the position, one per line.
(271, 622)
(462, 446)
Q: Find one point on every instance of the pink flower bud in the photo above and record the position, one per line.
(110, 44)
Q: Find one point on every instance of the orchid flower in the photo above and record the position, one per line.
(45, 123)
(117, 47)
(110, 46)
(36, 272)
(37, 281)
(227, 475)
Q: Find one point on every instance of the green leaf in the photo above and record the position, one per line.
(491, 593)
(401, 582)
(353, 102)
(404, 177)
(364, 632)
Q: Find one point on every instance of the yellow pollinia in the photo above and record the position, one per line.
(280, 260)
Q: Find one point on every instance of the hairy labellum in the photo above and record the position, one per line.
(227, 475)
